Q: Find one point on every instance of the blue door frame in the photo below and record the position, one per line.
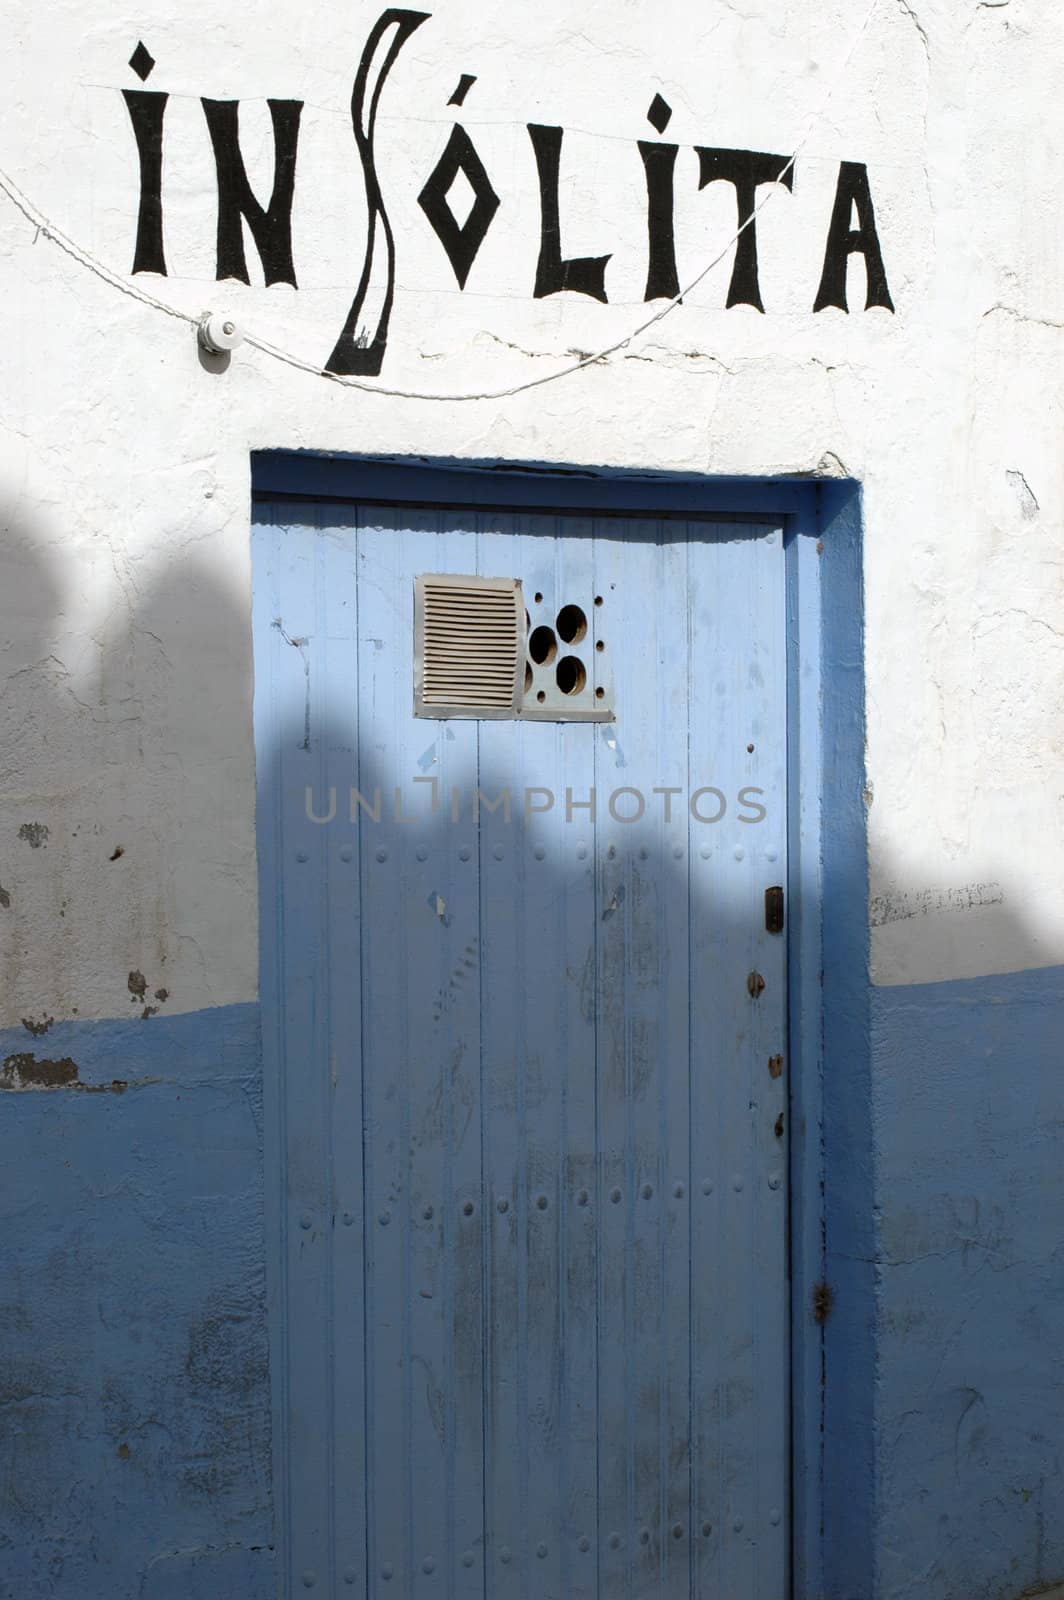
(831, 1248)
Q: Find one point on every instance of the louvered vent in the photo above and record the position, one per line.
(469, 646)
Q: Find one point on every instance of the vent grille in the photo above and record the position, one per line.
(469, 646)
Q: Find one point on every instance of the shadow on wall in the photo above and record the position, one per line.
(134, 1451)
(135, 1454)
(127, 783)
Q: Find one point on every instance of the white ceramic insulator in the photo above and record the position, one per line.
(218, 334)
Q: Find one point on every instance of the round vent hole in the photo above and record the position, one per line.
(571, 675)
(542, 646)
(571, 624)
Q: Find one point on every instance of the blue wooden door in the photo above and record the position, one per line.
(525, 1046)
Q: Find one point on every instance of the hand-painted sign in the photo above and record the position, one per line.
(360, 349)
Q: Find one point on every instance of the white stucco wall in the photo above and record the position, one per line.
(124, 473)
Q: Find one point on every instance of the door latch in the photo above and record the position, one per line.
(774, 909)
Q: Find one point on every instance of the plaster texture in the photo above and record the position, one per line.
(127, 828)
(124, 463)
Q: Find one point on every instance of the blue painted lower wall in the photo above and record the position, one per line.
(968, 1129)
(134, 1386)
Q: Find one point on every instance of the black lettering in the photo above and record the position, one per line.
(360, 350)
(843, 242)
(747, 170)
(659, 163)
(271, 228)
(581, 274)
(463, 240)
(146, 109)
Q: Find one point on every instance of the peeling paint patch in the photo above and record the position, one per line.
(301, 644)
(137, 984)
(37, 1028)
(1029, 507)
(615, 904)
(899, 907)
(612, 745)
(34, 833)
(23, 1071)
(823, 1300)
